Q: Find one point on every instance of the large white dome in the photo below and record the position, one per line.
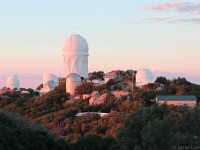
(13, 82)
(75, 43)
(75, 56)
(144, 76)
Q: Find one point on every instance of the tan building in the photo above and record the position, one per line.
(73, 80)
(189, 100)
(98, 82)
(111, 75)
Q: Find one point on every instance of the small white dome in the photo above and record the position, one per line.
(144, 76)
(73, 77)
(13, 82)
(73, 80)
(50, 81)
(75, 43)
(47, 77)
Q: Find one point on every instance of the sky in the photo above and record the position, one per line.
(162, 35)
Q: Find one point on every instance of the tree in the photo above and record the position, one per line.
(84, 88)
(161, 127)
(14, 136)
(159, 134)
(95, 142)
(162, 80)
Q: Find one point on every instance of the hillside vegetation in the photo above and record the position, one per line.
(133, 122)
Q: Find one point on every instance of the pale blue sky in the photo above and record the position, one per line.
(121, 34)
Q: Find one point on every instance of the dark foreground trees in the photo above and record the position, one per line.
(95, 142)
(152, 128)
(161, 127)
(15, 135)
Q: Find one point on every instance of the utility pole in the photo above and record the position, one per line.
(133, 81)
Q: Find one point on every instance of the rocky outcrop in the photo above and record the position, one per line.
(120, 93)
(97, 99)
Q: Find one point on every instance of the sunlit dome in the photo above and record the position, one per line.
(75, 43)
(73, 80)
(13, 82)
(73, 77)
(144, 76)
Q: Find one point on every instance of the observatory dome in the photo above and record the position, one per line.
(73, 80)
(75, 43)
(50, 81)
(73, 77)
(75, 56)
(144, 76)
(13, 82)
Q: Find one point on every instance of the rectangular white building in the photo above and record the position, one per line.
(189, 100)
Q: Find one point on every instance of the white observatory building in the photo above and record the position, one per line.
(144, 76)
(75, 54)
(73, 80)
(13, 82)
(50, 81)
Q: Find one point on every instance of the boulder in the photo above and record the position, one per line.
(95, 96)
(96, 99)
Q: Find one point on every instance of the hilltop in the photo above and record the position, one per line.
(128, 115)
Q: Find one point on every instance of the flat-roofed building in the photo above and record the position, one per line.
(86, 113)
(189, 100)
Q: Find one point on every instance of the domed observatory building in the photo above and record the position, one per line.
(13, 82)
(50, 81)
(144, 76)
(73, 80)
(75, 56)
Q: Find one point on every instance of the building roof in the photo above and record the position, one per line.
(85, 113)
(112, 73)
(176, 97)
(110, 76)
